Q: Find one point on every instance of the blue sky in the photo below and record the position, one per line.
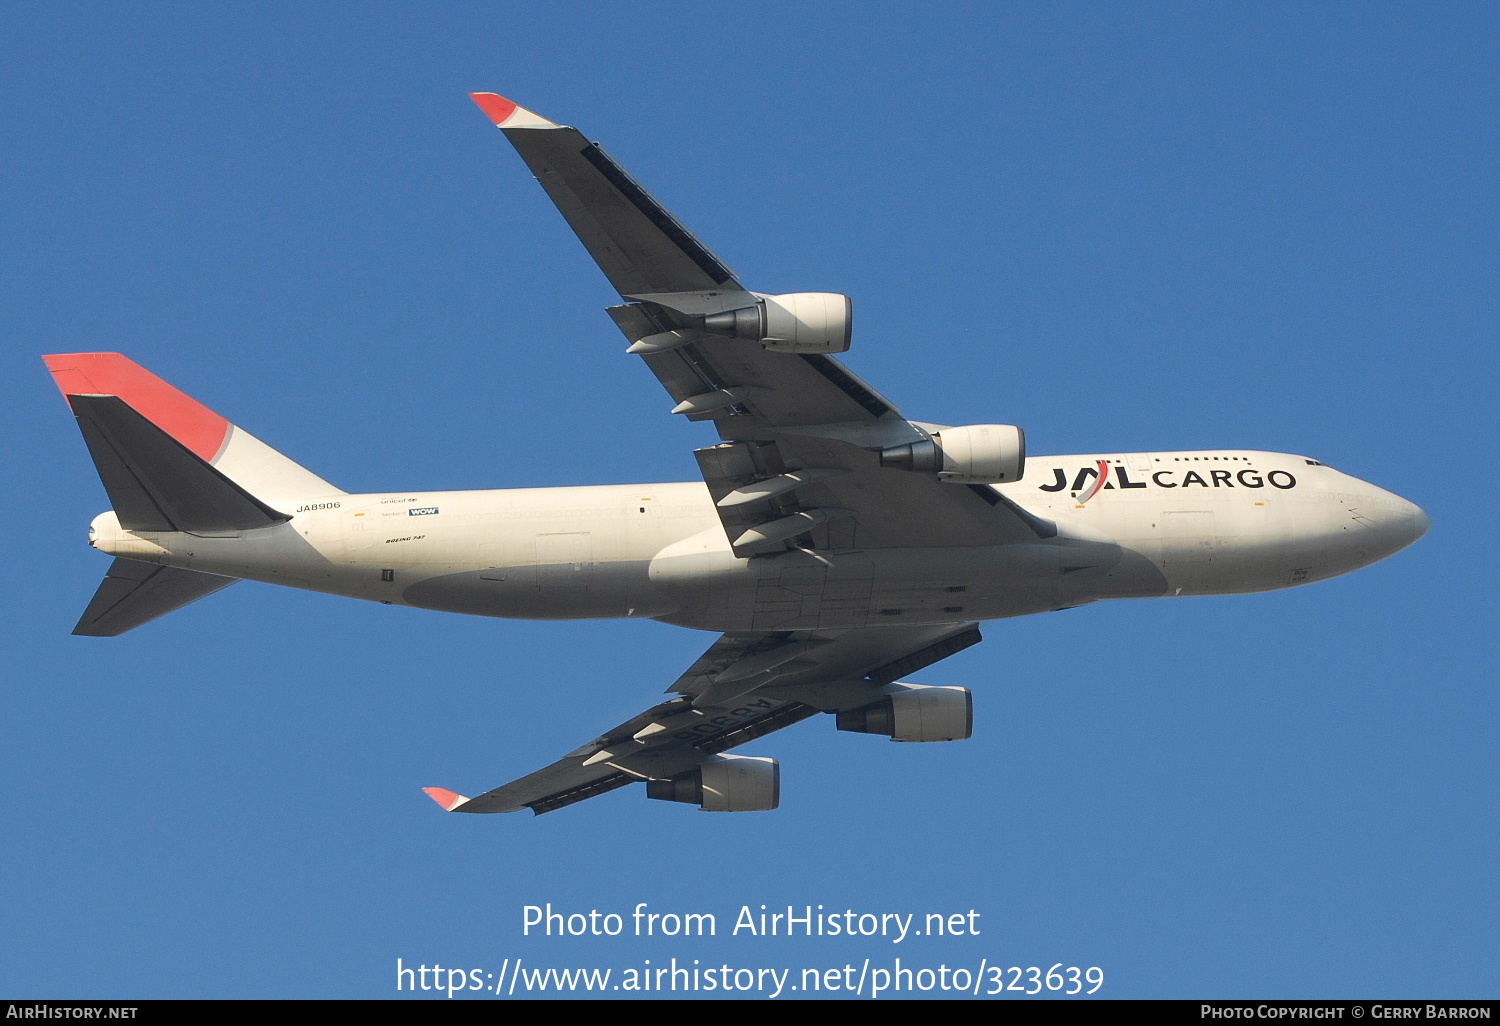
(1123, 227)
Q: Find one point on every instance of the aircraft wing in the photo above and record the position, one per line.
(799, 464)
(744, 687)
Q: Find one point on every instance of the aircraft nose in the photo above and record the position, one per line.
(1394, 521)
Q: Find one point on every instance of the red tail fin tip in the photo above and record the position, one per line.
(197, 427)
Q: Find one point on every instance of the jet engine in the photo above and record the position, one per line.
(977, 454)
(724, 783)
(914, 712)
(799, 322)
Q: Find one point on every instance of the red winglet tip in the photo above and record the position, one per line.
(449, 800)
(496, 107)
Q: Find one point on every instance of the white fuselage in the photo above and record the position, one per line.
(1193, 523)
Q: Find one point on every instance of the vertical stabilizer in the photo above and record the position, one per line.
(235, 453)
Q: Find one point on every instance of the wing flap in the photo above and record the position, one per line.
(603, 785)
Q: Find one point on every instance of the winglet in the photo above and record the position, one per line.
(449, 800)
(507, 113)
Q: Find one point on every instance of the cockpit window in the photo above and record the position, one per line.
(1312, 463)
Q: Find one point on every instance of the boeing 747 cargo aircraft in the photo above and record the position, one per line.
(836, 546)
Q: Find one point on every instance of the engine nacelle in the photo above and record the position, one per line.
(799, 322)
(977, 454)
(915, 712)
(724, 783)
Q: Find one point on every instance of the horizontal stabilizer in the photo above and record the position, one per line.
(133, 593)
(156, 483)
